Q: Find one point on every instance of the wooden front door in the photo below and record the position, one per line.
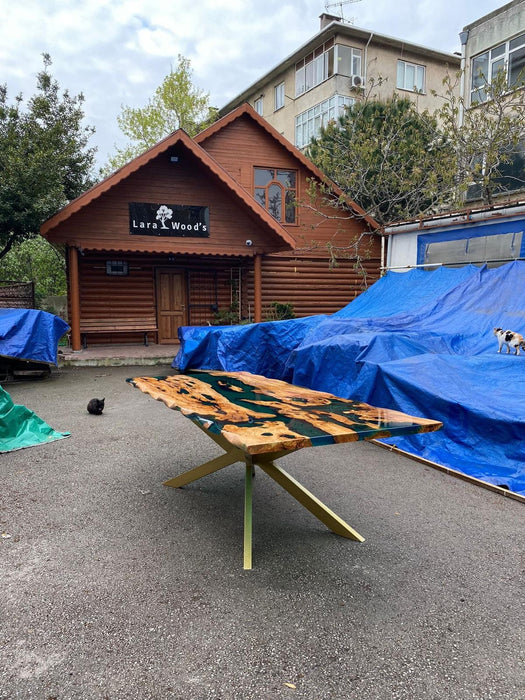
(171, 304)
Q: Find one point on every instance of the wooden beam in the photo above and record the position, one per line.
(257, 288)
(74, 296)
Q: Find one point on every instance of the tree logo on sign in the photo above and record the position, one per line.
(164, 213)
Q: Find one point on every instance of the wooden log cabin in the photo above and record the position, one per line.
(194, 228)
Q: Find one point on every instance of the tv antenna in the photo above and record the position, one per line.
(328, 6)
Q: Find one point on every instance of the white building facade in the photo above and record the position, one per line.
(338, 66)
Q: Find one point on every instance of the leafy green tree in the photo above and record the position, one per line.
(44, 158)
(35, 260)
(390, 159)
(487, 136)
(176, 104)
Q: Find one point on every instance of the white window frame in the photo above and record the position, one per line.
(258, 105)
(355, 61)
(308, 124)
(323, 63)
(402, 69)
(497, 58)
(520, 46)
(279, 96)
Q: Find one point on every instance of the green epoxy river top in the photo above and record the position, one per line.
(260, 415)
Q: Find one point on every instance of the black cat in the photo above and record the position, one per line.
(96, 406)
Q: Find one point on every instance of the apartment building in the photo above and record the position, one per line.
(494, 43)
(337, 66)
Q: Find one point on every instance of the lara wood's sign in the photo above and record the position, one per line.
(168, 220)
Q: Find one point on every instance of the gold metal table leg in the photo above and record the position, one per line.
(248, 515)
(265, 462)
(310, 502)
(233, 455)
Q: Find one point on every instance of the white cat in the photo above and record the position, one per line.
(510, 339)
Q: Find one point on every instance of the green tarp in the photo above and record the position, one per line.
(20, 427)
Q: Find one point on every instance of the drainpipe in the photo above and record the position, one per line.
(365, 67)
(463, 37)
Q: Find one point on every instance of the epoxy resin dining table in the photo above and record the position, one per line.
(258, 420)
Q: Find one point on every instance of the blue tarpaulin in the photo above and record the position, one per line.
(29, 334)
(260, 348)
(420, 342)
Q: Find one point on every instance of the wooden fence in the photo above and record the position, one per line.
(19, 295)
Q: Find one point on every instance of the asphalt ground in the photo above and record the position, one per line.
(114, 586)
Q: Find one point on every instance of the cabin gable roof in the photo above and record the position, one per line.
(246, 111)
(179, 138)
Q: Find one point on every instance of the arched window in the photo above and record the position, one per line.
(275, 190)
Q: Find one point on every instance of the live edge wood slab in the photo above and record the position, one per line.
(257, 420)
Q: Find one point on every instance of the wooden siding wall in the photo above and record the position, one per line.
(306, 283)
(305, 278)
(105, 296)
(133, 297)
(311, 286)
(104, 225)
(321, 226)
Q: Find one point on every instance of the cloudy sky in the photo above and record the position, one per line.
(117, 52)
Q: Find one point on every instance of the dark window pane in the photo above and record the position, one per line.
(299, 81)
(356, 62)
(344, 60)
(420, 78)
(478, 96)
(260, 196)
(319, 70)
(517, 67)
(329, 62)
(512, 174)
(497, 66)
(480, 70)
(518, 41)
(410, 76)
(275, 203)
(263, 176)
(309, 76)
(290, 208)
(287, 177)
(400, 74)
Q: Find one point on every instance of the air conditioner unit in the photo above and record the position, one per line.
(357, 81)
